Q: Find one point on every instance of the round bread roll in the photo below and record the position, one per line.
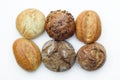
(91, 56)
(58, 56)
(60, 25)
(30, 23)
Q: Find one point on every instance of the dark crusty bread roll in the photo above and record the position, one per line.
(91, 56)
(60, 25)
(58, 55)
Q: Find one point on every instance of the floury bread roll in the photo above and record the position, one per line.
(60, 25)
(58, 56)
(30, 23)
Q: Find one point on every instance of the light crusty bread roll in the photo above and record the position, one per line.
(88, 26)
(30, 23)
(27, 54)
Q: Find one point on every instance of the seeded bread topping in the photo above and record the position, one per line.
(60, 25)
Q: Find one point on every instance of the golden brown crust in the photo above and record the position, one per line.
(91, 56)
(30, 23)
(60, 25)
(27, 54)
(88, 26)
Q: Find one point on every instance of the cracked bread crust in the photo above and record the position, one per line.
(58, 56)
(30, 23)
(60, 25)
(91, 56)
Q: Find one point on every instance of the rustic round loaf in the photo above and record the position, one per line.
(91, 56)
(88, 26)
(58, 56)
(60, 25)
(30, 23)
(27, 54)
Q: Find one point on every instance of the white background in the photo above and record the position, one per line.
(109, 13)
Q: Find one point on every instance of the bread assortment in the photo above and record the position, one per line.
(58, 55)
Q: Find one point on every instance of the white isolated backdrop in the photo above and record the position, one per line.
(109, 13)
